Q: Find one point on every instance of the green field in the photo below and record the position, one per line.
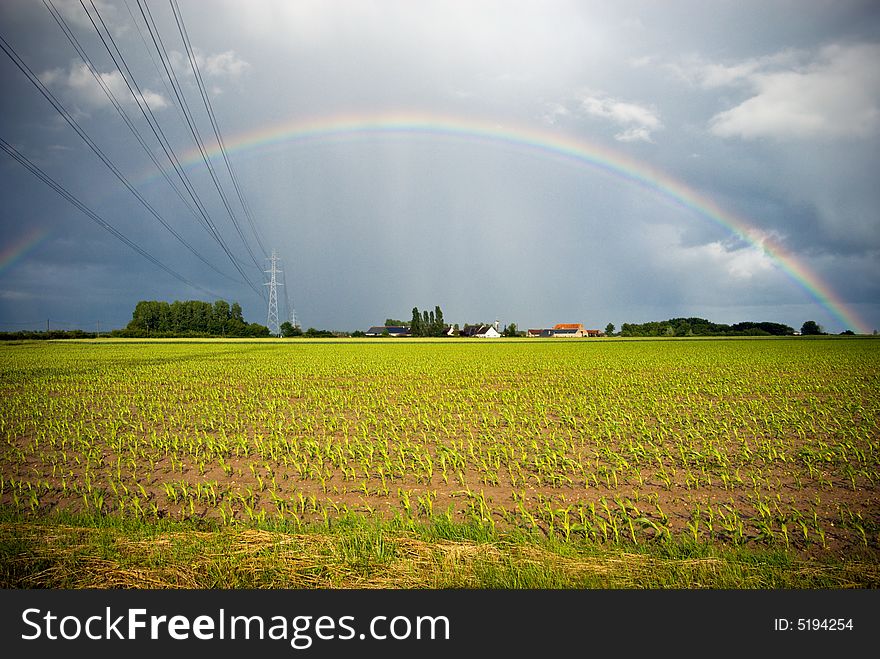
(735, 463)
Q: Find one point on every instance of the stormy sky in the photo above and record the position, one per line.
(768, 110)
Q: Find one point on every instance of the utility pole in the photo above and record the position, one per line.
(287, 303)
(272, 318)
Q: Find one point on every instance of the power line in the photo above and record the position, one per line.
(149, 52)
(181, 26)
(59, 107)
(129, 78)
(291, 312)
(191, 56)
(61, 190)
(71, 37)
(178, 90)
(150, 117)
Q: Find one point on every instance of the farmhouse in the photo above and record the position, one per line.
(481, 331)
(569, 330)
(565, 331)
(391, 330)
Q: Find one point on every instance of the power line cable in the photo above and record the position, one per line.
(70, 197)
(130, 80)
(59, 107)
(175, 83)
(184, 34)
(71, 37)
(149, 52)
(291, 312)
(135, 90)
(200, 84)
(80, 50)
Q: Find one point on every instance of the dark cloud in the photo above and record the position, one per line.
(769, 110)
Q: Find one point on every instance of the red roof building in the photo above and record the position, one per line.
(569, 330)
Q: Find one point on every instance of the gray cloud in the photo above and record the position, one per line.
(633, 121)
(80, 86)
(768, 110)
(227, 64)
(837, 94)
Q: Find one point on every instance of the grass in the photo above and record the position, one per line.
(66, 551)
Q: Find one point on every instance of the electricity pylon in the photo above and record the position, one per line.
(272, 319)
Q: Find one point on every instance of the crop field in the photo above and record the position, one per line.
(749, 446)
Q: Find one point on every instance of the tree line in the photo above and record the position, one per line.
(195, 318)
(289, 330)
(191, 318)
(427, 323)
(703, 327)
(51, 335)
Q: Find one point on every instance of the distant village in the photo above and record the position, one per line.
(491, 331)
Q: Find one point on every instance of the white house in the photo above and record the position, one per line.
(488, 332)
(482, 331)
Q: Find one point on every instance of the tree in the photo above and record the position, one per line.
(393, 322)
(235, 312)
(509, 330)
(236, 325)
(219, 317)
(701, 327)
(288, 330)
(189, 318)
(752, 328)
(439, 325)
(415, 327)
(255, 329)
(811, 327)
(146, 317)
(427, 323)
(609, 329)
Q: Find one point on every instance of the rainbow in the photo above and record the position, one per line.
(544, 142)
(14, 252)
